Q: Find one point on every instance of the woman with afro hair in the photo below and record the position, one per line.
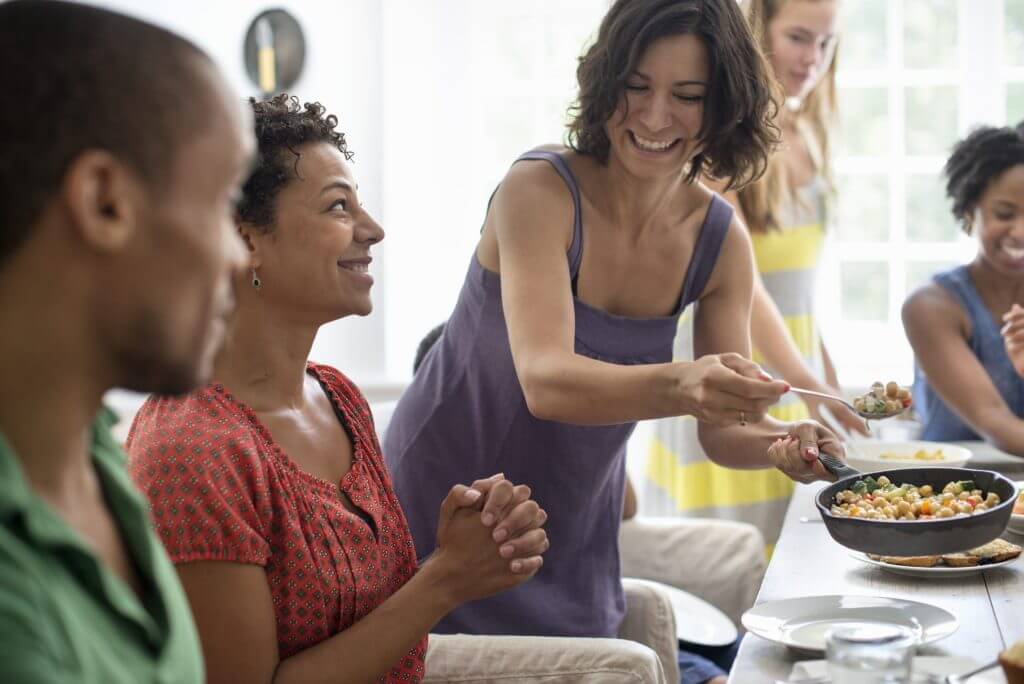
(967, 325)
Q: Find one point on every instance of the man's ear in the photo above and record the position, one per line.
(102, 197)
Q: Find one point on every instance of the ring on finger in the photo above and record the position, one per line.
(743, 419)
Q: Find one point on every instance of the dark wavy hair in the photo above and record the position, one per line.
(283, 125)
(976, 161)
(738, 131)
(80, 78)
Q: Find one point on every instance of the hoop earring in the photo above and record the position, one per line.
(256, 282)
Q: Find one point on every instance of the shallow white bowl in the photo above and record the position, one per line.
(1016, 524)
(801, 623)
(866, 455)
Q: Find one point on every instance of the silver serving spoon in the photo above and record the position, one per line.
(863, 414)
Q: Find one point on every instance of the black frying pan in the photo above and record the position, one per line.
(921, 537)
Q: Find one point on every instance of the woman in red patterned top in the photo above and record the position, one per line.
(268, 487)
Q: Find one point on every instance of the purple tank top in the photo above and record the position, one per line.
(464, 417)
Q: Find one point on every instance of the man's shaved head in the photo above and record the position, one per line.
(80, 78)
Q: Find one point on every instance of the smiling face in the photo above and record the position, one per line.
(802, 42)
(654, 131)
(314, 262)
(998, 220)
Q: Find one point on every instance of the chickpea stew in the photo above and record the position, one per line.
(884, 400)
(881, 499)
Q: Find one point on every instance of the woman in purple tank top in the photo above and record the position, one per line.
(561, 338)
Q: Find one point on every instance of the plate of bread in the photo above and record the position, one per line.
(995, 554)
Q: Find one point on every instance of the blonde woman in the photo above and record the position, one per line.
(785, 213)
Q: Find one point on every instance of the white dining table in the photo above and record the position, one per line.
(807, 562)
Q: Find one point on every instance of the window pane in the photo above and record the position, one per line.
(863, 208)
(931, 120)
(865, 291)
(1014, 103)
(929, 33)
(920, 272)
(928, 217)
(865, 128)
(1015, 32)
(863, 45)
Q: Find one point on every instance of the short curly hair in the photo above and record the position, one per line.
(283, 125)
(738, 130)
(976, 161)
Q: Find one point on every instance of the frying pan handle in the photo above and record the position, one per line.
(836, 466)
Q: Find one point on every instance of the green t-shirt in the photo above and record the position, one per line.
(64, 617)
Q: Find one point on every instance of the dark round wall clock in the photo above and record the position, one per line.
(275, 50)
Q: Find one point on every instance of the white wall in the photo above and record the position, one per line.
(429, 215)
(343, 71)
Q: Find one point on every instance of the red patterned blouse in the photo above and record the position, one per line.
(221, 489)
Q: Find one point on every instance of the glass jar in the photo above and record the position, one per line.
(870, 653)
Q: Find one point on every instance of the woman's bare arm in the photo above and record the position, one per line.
(531, 216)
(722, 325)
(937, 330)
(770, 336)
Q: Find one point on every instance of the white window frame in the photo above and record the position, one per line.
(865, 351)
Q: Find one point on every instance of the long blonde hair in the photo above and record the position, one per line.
(761, 201)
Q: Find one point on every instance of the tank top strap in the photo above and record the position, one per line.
(958, 283)
(705, 252)
(575, 253)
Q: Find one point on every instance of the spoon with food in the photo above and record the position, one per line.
(882, 401)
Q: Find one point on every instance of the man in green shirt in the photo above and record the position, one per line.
(121, 150)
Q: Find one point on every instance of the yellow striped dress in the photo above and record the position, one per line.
(679, 478)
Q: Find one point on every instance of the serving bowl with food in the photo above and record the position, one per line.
(917, 511)
(871, 455)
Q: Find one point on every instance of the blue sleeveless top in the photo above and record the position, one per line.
(464, 417)
(940, 422)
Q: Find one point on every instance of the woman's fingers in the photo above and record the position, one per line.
(459, 496)
(526, 566)
(498, 499)
(532, 543)
(524, 516)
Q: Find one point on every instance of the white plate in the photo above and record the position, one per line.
(697, 621)
(866, 455)
(801, 623)
(939, 571)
